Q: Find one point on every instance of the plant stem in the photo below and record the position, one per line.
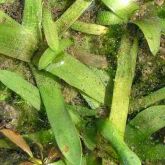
(126, 156)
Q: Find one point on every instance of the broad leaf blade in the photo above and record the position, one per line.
(79, 76)
(32, 17)
(123, 8)
(107, 80)
(72, 14)
(152, 32)
(17, 42)
(139, 130)
(22, 87)
(63, 128)
(147, 122)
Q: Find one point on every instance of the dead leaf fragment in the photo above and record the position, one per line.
(18, 140)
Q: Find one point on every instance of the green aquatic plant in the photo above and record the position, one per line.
(46, 42)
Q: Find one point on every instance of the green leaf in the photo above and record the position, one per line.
(107, 80)
(77, 113)
(63, 128)
(113, 128)
(78, 75)
(61, 5)
(49, 55)
(146, 123)
(123, 82)
(111, 133)
(60, 162)
(163, 25)
(7, 20)
(123, 8)
(32, 17)
(147, 150)
(22, 87)
(151, 151)
(89, 28)
(89, 136)
(146, 101)
(91, 102)
(152, 32)
(82, 111)
(72, 14)
(50, 28)
(139, 130)
(17, 42)
(109, 18)
(12, 47)
(6, 1)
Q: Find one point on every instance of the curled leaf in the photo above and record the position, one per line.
(123, 8)
(152, 32)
